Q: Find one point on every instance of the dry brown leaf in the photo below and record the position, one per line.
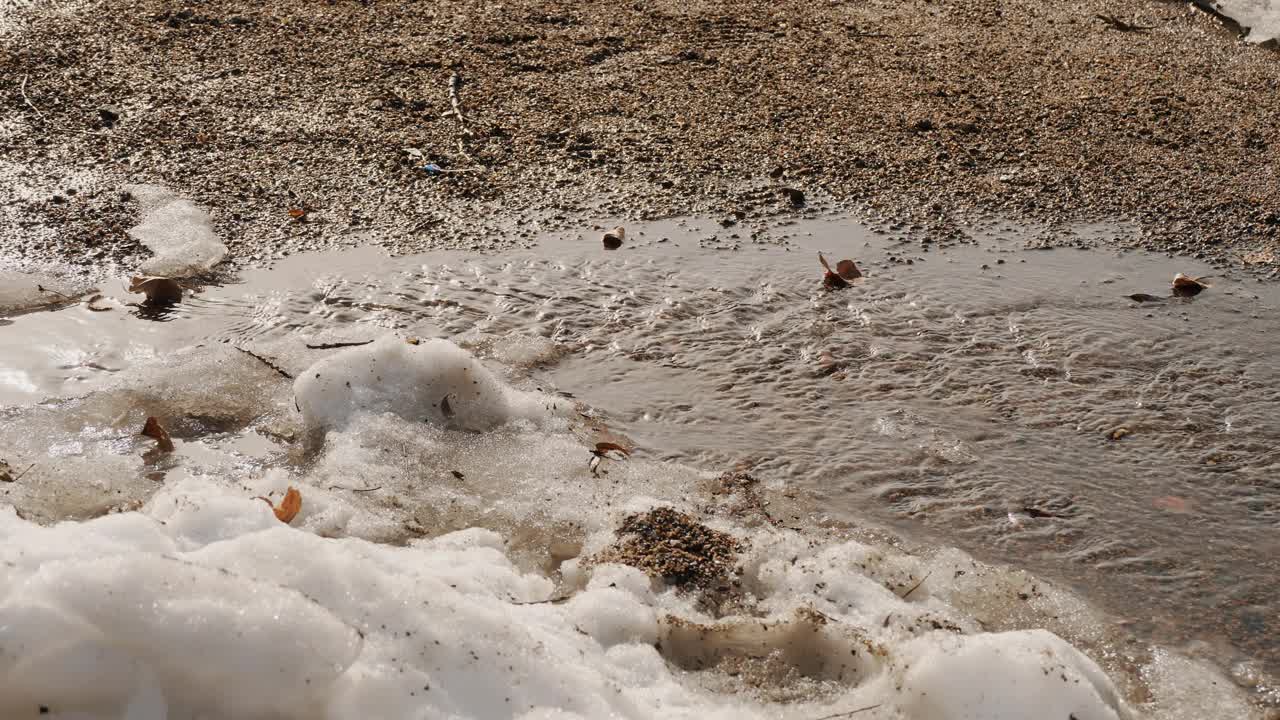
(847, 270)
(159, 290)
(297, 213)
(153, 429)
(831, 280)
(605, 447)
(289, 507)
(1184, 286)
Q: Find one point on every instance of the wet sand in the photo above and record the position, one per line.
(917, 115)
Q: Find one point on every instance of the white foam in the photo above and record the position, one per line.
(179, 233)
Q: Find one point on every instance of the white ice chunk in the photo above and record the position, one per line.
(1005, 676)
(178, 231)
(432, 381)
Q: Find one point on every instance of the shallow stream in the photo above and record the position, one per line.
(1012, 402)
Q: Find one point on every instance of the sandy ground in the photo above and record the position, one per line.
(923, 115)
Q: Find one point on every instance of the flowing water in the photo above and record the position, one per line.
(1009, 401)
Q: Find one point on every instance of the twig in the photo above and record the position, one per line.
(331, 346)
(917, 585)
(549, 601)
(850, 712)
(27, 100)
(42, 288)
(369, 489)
(1117, 24)
(455, 81)
(24, 472)
(884, 36)
(264, 361)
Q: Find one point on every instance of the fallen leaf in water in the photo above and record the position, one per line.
(446, 408)
(1120, 433)
(153, 429)
(604, 447)
(1144, 298)
(1173, 504)
(1184, 286)
(847, 270)
(458, 474)
(1038, 513)
(288, 508)
(613, 239)
(159, 290)
(831, 280)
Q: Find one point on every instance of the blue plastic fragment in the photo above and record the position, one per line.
(433, 169)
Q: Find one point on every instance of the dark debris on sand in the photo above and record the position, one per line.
(684, 553)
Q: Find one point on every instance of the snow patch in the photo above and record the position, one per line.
(177, 231)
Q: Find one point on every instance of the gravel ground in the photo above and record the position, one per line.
(922, 115)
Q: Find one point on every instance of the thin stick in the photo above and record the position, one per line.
(42, 288)
(24, 472)
(331, 346)
(455, 81)
(917, 585)
(850, 712)
(27, 100)
(1118, 24)
(549, 601)
(265, 361)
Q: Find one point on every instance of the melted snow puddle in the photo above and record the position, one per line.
(950, 400)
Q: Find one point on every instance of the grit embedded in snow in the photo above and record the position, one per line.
(202, 605)
(431, 381)
(179, 233)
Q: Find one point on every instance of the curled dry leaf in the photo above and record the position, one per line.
(603, 448)
(847, 270)
(289, 507)
(613, 239)
(298, 213)
(831, 280)
(153, 429)
(159, 290)
(1184, 286)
